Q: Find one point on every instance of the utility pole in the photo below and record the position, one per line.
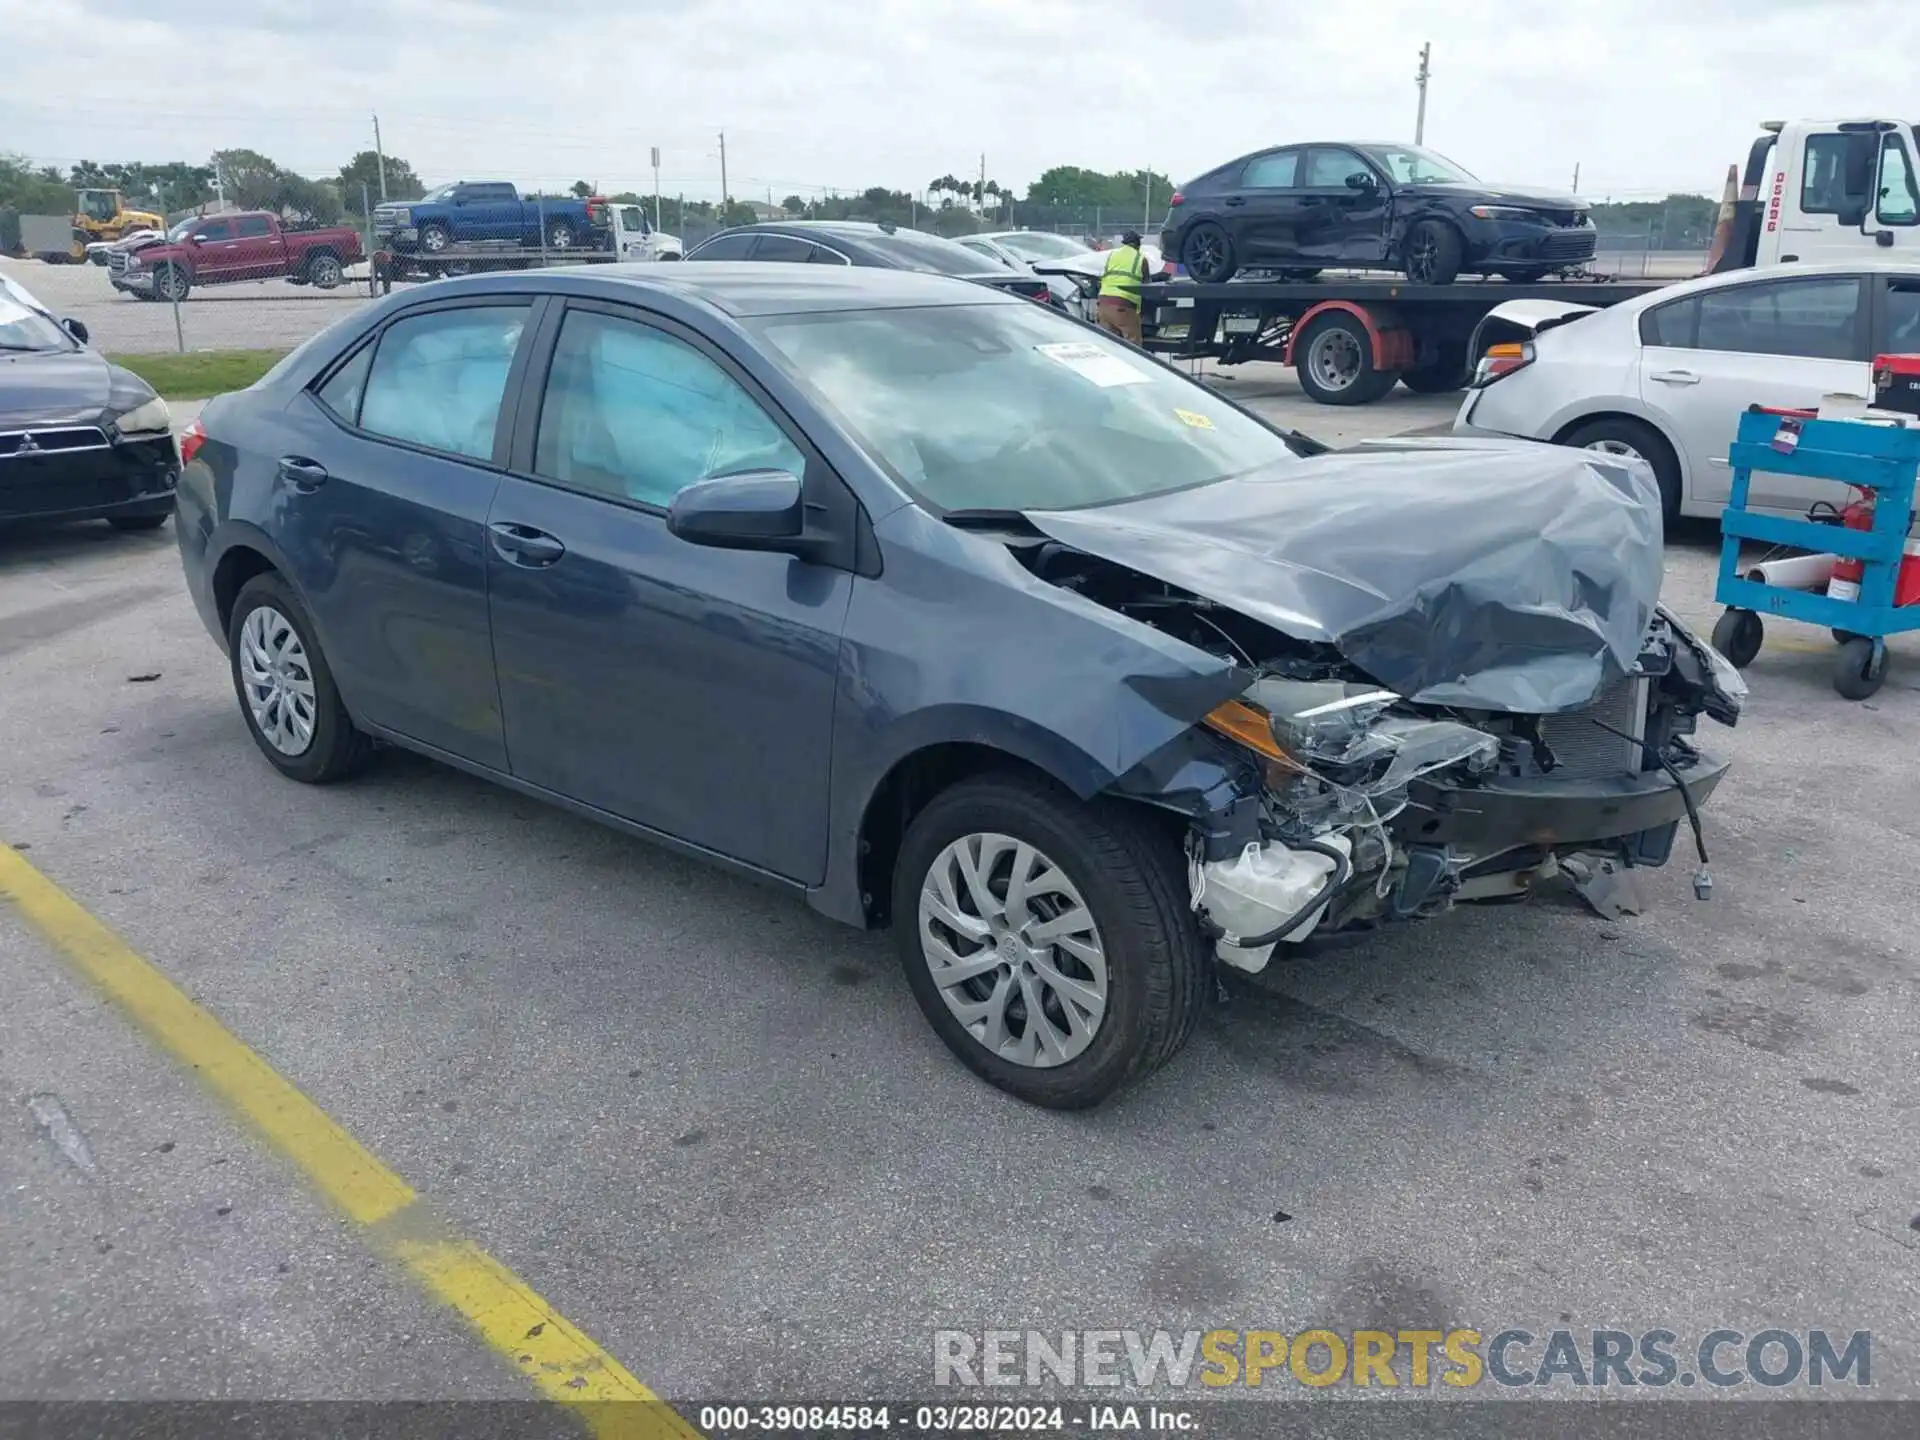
(725, 199)
(1420, 119)
(1146, 215)
(656, 187)
(381, 153)
(1576, 177)
(980, 195)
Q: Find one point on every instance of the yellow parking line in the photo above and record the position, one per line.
(563, 1363)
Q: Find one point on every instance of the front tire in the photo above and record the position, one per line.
(286, 692)
(1047, 940)
(172, 284)
(1432, 252)
(1634, 439)
(434, 238)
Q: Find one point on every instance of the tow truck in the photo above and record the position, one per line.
(1811, 190)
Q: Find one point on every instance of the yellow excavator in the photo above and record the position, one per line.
(103, 215)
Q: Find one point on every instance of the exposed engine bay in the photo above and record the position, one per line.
(1322, 801)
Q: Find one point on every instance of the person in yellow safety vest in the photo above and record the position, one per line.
(1118, 309)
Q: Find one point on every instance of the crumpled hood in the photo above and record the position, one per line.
(1518, 578)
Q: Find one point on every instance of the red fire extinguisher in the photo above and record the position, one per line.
(1848, 569)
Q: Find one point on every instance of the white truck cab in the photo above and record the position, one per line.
(635, 239)
(1818, 190)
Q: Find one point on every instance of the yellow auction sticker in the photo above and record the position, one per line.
(1195, 419)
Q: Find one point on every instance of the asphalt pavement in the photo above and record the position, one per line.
(714, 1132)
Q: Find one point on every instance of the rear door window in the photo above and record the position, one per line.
(724, 247)
(1277, 171)
(437, 378)
(1815, 319)
(783, 247)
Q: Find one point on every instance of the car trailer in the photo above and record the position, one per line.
(1880, 459)
(473, 258)
(1350, 340)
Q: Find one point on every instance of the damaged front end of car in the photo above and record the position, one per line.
(1421, 725)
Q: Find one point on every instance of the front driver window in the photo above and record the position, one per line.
(437, 378)
(635, 414)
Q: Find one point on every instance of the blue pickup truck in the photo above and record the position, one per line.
(491, 210)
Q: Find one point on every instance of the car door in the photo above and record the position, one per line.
(389, 471)
(1896, 205)
(1263, 213)
(680, 687)
(1341, 224)
(255, 250)
(214, 248)
(1778, 342)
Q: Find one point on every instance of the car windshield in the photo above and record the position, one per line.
(1013, 407)
(25, 325)
(445, 192)
(1412, 165)
(911, 250)
(1039, 245)
(183, 229)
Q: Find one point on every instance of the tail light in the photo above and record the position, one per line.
(191, 439)
(1501, 361)
(1177, 200)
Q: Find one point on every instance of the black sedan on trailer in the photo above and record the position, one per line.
(877, 247)
(80, 439)
(1300, 209)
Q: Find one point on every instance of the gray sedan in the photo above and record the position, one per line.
(944, 612)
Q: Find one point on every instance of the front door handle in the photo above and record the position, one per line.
(525, 546)
(303, 474)
(1236, 200)
(1675, 377)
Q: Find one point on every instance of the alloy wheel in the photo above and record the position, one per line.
(1619, 448)
(1013, 949)
(277, 680)
(1205, 252)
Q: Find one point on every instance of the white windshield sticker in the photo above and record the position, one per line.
(1092, 363)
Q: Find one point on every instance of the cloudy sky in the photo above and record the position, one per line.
(1645, 96)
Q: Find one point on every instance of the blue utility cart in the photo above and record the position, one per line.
(1883, 459)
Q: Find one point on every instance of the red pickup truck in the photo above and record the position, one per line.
(223, 249)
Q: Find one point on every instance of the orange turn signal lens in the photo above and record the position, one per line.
(1242, 722)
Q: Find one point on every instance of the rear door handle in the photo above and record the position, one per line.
(525, 546)
(1675, 377)
(1236, 200)
(303, 474)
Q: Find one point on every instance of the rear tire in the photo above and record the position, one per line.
(560, 236)
(332, 748)
(1207, 252)
(1432, 252)
(324, 270)
(1334, 360)
(1121, 871)
(1622, 436)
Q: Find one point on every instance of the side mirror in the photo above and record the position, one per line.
(1361, 180)
(196, 238)
(754, 510)
(76, 329)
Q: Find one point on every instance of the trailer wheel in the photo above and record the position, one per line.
(1738, 635)
(1334, 359)
(1208, 254)
(1432, 252)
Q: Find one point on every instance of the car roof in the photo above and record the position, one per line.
(745, 288)
(1794, 271)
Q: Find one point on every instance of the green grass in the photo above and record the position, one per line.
(200, 373)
